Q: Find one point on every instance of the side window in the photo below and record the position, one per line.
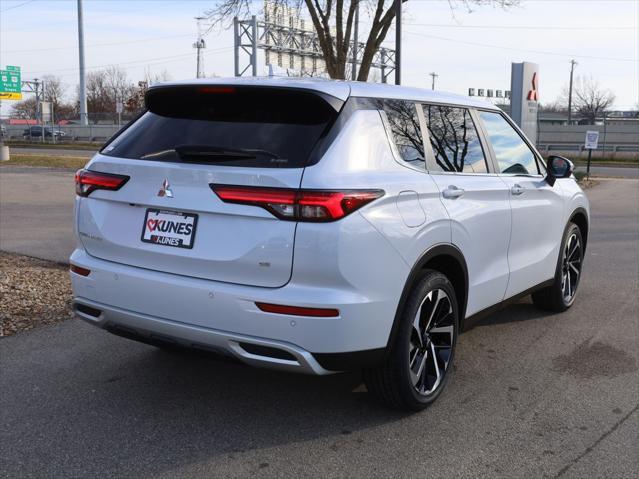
(512, 153)
(404, 124)
(454, 138)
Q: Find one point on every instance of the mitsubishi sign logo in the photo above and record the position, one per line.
(532, 94)
(166, 189)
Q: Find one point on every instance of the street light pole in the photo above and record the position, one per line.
(200, 44)
(83, 89)
(572, 68)
(355, 41)
(434, 75)
(398, 42)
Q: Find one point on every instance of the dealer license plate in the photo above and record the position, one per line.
(169, 228)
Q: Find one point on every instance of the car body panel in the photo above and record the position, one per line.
(359, 264)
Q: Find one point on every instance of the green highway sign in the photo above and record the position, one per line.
(10, 83)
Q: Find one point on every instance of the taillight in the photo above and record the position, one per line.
(298, 205)
(87, 181)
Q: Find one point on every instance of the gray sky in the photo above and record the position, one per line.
(466, 49)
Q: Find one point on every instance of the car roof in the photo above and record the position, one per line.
(343, 89)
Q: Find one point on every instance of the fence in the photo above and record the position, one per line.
(63, 134)
(616, 141)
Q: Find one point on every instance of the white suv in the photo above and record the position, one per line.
(320, 226)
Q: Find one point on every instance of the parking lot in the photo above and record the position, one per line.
(533, 394)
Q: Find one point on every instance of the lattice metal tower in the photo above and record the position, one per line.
(290, 45)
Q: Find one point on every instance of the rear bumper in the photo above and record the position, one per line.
(156, 306)
(268, 353)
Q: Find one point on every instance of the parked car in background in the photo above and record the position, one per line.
(36, 132)
(320, 226)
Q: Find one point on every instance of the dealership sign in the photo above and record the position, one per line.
(10, 84)
(524, 97)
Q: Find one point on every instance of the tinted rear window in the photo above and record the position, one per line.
(235, 126)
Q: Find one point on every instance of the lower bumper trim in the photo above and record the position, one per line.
(254, 351)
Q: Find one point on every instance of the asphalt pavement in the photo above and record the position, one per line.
(612, 171)
(36, 212)
(533, 395)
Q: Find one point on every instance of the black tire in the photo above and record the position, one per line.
(560, 295)
(393, 383)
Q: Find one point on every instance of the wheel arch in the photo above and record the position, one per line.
(448, 260)
(580, 217)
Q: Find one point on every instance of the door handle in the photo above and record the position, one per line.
(452, 192)
(517, 189)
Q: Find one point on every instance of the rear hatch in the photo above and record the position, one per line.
(165, 216)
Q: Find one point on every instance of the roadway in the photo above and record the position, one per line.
(534, 394)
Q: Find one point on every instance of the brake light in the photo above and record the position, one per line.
(217, 89)
(297, 310)
(87, 181)
(298, 205)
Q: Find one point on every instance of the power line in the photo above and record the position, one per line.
(17, 6)
(142, 62)
(501, 47)
(142, 40)
(521, 27)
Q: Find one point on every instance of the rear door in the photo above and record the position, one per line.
(166, 216)
(537, 207)
(476, 200)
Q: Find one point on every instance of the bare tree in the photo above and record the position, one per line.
(590, 99)
(26, 109)
(54, 90)
(158, 77)
(333, 22)
(105, 88)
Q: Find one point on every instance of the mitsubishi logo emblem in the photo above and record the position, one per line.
(166, 189)
(532, 94)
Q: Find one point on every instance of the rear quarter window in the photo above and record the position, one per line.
(236, 126)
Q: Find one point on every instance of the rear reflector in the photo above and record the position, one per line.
(87, 181)
(298, 205)
(79, 270)
(297, 311)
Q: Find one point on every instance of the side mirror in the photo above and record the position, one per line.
(558, 167)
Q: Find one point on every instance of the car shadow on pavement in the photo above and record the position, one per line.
(92, 404)
(118, 405)
(522, 310)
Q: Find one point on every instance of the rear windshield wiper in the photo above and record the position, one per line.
(207, 153)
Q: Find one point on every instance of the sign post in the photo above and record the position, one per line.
(119, 107)
(591, 143)
(46, 117)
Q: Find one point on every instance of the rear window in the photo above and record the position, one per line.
(234, 126)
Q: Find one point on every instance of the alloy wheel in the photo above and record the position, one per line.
(571, 267)
(431, 343)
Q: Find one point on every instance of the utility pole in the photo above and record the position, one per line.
(83, 89)
(355, 42)
(572, 68)
(433, 75)
(398, 42)
(200, 44)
